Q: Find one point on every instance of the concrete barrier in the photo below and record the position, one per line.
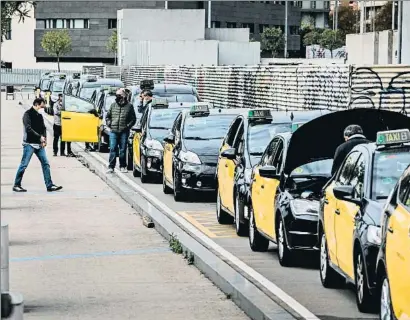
(4, 257)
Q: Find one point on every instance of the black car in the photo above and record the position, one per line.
(351, 212)
(92, 84)
(191, 149)
(242, 148)
(147, 138)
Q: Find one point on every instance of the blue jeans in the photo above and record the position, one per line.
(118, 139)
(42, 156)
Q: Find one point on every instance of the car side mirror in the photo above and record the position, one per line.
(229, 153)
(137, 129)
(269, 172)
(346, 193)
(170, 138)
(94, 112)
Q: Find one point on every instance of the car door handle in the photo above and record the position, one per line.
(390, 229)
(262, 186)
(326, 201)
(226, 165)
(66, 118)
(337, 211)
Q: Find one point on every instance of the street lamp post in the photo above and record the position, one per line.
(286, 30)
(209, 14)
(399, 30)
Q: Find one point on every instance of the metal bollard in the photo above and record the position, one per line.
(18, 306)
(4, 257)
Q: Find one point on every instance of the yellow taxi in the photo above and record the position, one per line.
(80, 120)
(351, 208)
(393, 263)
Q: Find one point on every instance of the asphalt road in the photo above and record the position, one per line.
(301, 282)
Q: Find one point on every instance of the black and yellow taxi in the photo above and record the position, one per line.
(91, 84)
(71, 83)
(148, 135)
(393, 262)
(285, 193)
(242, 148)
(351, 207)
(191, 149)
(43, 84)
(56, 87)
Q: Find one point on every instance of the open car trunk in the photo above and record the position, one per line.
(319, 138)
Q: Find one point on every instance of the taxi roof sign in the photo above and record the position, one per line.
(158, 103)
(393, 137)
(76, 75)
(199, 109)
(260, 114)
(296, 125)
(147, 84)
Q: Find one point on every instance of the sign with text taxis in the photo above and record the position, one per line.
(393, 137)
(264, 114)
(199, 109)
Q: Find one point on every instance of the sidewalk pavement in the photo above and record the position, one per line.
(83, 253)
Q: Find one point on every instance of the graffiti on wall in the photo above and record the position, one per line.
(380, 88)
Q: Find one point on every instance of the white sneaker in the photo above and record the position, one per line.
(123, 170)
(110, 170)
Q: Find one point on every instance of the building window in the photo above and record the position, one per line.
(326, 4)
(294, 30)
(251, 27)
(215, 24)
(7, 36)
(281, 28)
(112, 23)
(313, 4)
(62, 24)
(231, 24)
(262, 27)
(299, 4)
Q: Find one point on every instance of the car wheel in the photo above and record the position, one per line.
(222, 216)
(284, 253)
(257, 242)
(178, 193)
(364, 299)
(165, 188)
(328, 276)
(144, 177)
(386, 308)
(241, 228)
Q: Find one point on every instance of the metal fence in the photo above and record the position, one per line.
(25, 76)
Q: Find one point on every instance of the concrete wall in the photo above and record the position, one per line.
(227, 34)
(177, 52)
(239, 53)
(161, 24)
(405, 52)
(385, 48)
(361, 48)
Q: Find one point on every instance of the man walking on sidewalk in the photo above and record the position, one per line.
(120, 119)
(34, 141)
(58, 107)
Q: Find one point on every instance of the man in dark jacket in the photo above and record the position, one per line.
(120, 119)
(34, 141)
(353, 135)
(145, 101)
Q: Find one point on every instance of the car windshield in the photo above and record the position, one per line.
(44, 84)
(57, 86)
(179, 97)
(87, 92)
(212, 127)
(109, 101)
(259, 136)
(321, 167)
(161, 121)
(388, 166)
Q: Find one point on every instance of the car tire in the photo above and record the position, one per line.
(386, 307)
(364, 299)
(241, 228)
(284, 253)
(165, 188)
(135, 171)
(222, 216)
(144, 177)
(178, 193)
(328, 276)
(257, 242)
(130, 160)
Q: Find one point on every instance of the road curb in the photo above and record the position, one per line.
(255, 301)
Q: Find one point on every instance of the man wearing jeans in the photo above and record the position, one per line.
(34, 141)
(119, 119)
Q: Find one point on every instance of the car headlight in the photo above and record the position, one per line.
(304, 207)
(154, 148)
(190, 157)
(247, 176)
(374, 235)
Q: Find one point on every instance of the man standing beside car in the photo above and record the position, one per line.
(120, 119)
(145, 101)
(58, 107)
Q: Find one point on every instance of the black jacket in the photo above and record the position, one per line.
(34, 127)
(142, 108)
(120, 117)
(343, 150)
